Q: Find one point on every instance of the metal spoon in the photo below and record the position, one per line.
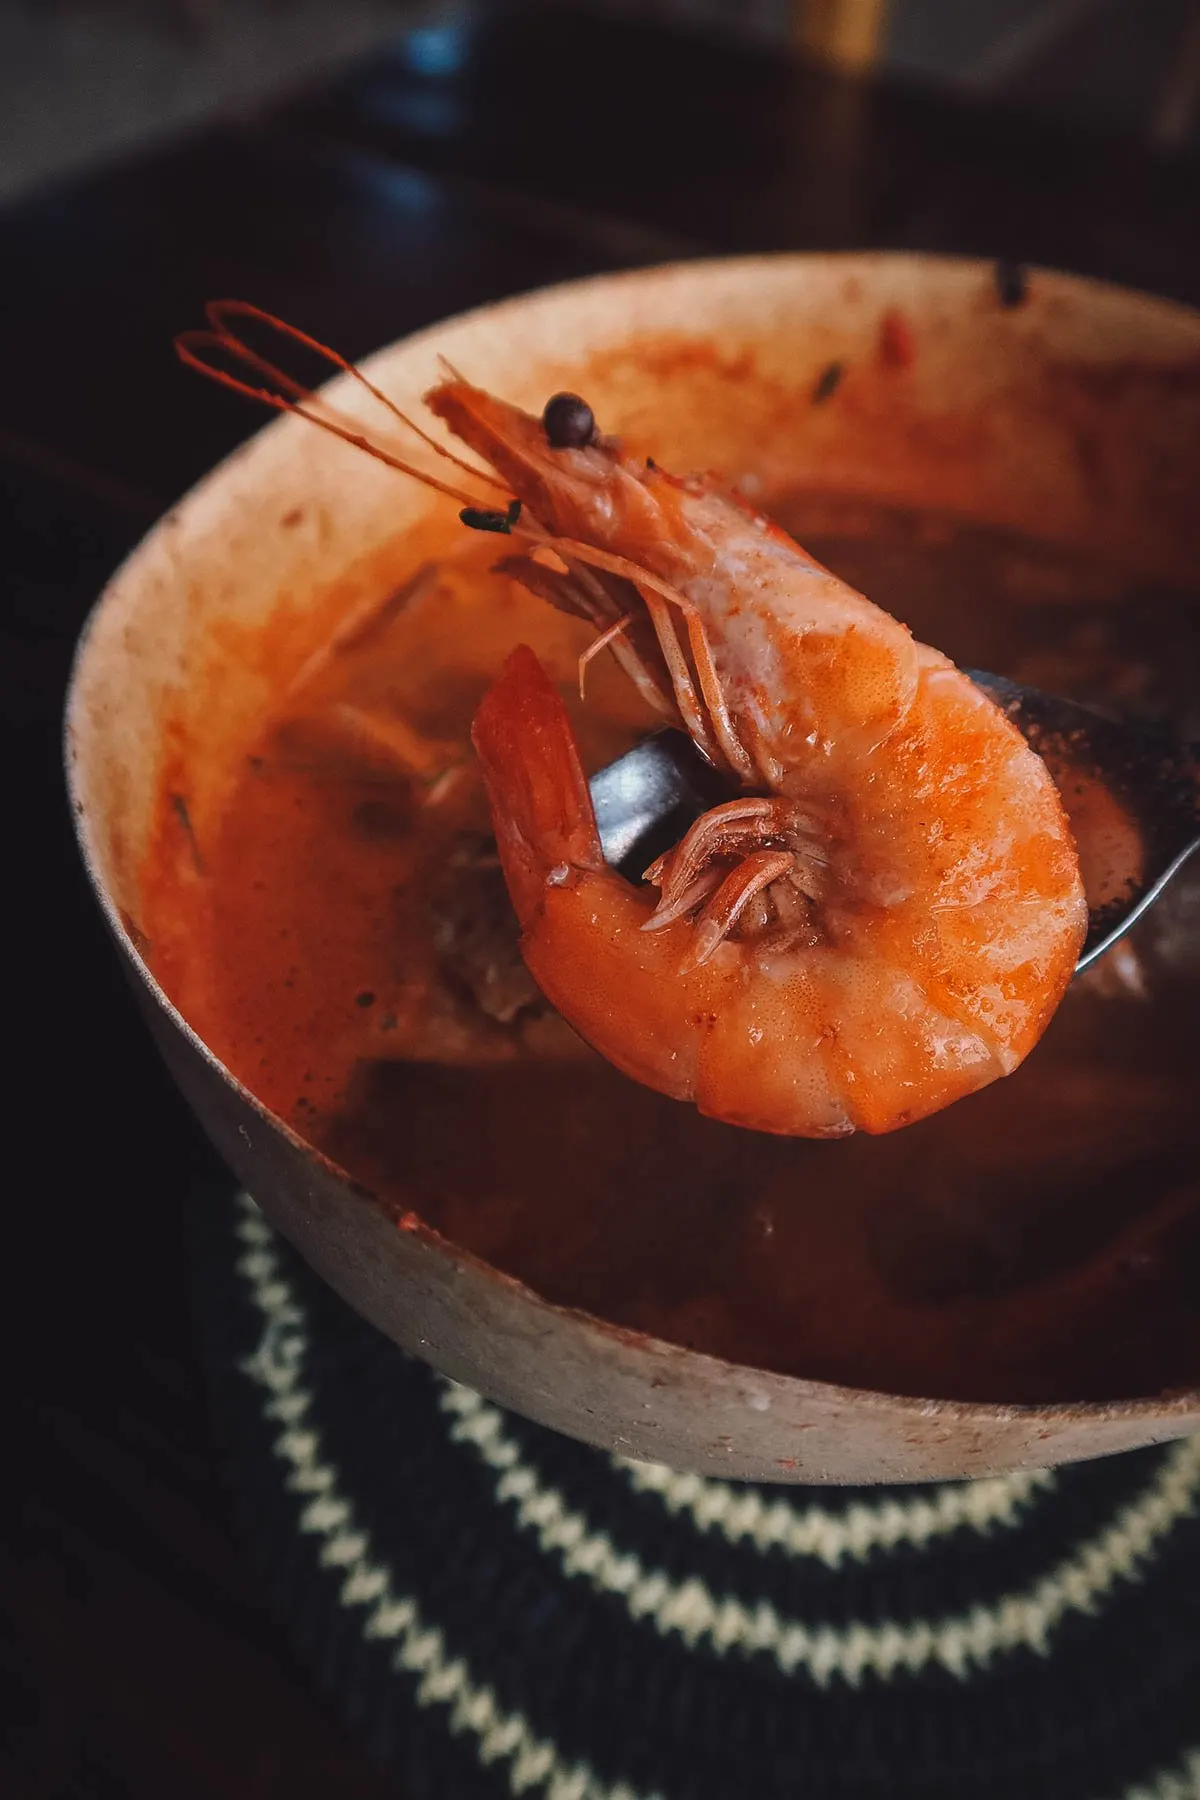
(1131, 793)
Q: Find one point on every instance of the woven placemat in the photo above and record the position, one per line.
(496, 1610)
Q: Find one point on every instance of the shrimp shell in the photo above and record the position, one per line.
(889, 919)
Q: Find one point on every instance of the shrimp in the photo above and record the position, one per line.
(883, 916)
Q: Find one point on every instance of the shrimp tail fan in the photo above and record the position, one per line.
(541, 808)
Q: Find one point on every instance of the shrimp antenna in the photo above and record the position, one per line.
(449, 369)
(195, 348)
(217, 311)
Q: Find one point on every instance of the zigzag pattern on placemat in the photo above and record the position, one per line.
(957, 1644)
(863, 1691)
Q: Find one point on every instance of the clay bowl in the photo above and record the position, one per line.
(1072, 418)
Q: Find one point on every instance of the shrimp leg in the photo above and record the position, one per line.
(767, 838)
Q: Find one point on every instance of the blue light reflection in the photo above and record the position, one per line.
(436, 49)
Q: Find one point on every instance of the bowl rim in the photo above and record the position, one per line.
(1160, 1407)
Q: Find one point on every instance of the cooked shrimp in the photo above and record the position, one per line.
(884, 915)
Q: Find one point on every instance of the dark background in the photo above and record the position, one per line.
(85, 79)
(535, 144)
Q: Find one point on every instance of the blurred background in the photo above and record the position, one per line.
(83, 80)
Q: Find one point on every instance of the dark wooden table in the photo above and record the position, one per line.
(530, 146)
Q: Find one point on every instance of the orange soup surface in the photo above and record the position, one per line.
(345, 945)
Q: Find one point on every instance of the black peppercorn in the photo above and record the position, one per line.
(828, 383)
(569, 422)
(1012, 284)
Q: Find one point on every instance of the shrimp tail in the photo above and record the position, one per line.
(541, 808)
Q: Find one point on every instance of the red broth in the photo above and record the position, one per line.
(347, 949)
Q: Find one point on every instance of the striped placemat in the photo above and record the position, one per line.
(498, 1611)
